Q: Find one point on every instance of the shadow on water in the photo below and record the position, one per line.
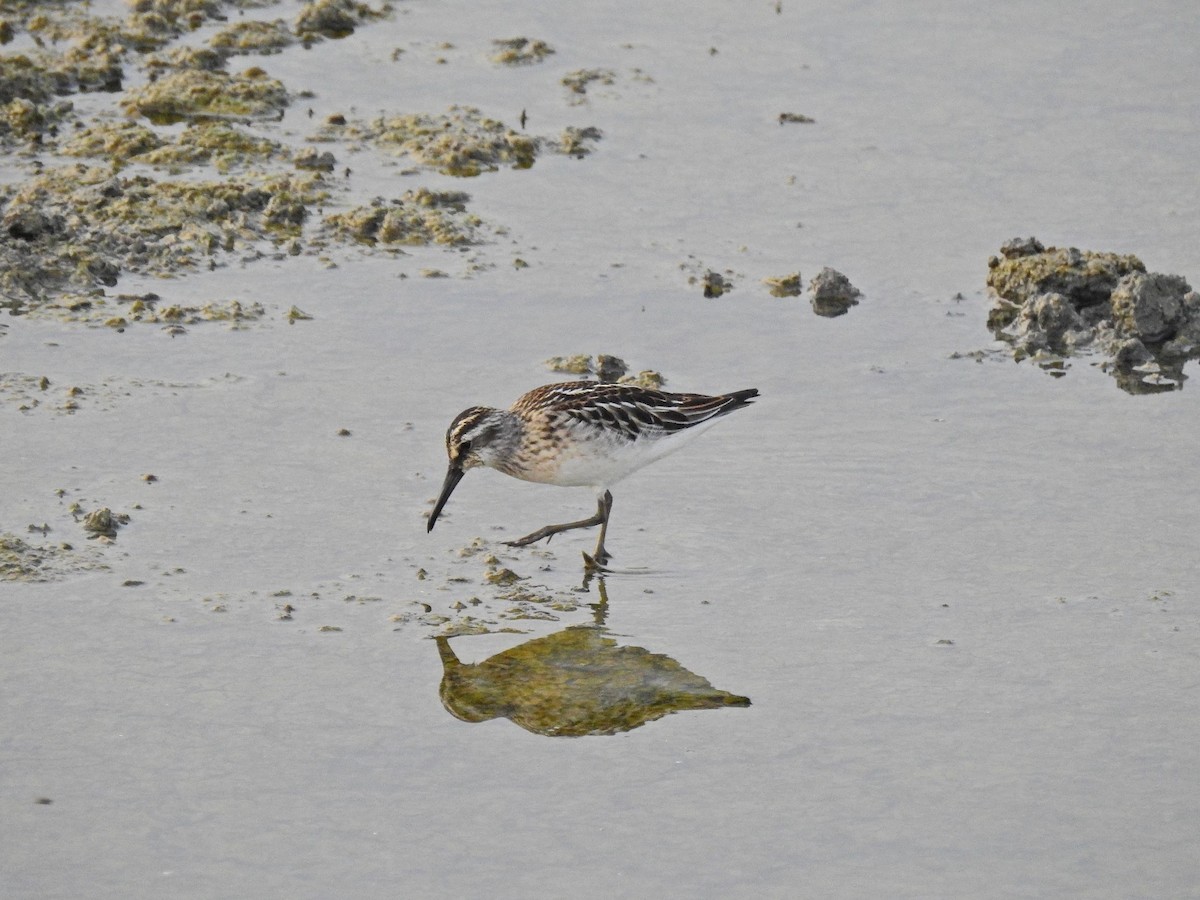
(575, 682)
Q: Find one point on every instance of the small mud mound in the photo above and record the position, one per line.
(832, 293)
(1050, 304)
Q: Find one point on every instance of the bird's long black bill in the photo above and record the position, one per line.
(453, 477)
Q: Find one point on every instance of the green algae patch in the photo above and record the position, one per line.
(76, 227)
(520, 51)
(418, 217)
(203, 94)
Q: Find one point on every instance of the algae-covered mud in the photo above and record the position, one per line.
(232, 185)
(1051, 304)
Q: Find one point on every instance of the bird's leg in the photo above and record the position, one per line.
(601, 556)
(600, 518)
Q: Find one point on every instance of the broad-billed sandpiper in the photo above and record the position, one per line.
(578, 434)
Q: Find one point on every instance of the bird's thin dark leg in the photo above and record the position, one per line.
(600, 519)
(601, 555)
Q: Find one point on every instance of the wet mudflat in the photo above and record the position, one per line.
(958, 592)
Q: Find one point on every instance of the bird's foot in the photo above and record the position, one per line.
(598, 561)
(550, 531)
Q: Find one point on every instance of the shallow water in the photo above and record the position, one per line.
(960, 596)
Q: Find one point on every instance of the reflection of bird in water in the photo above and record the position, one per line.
(579, 434)
(575, 682)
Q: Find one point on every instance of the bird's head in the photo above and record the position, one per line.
(471, 440)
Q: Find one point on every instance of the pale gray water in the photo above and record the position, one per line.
(812, 553)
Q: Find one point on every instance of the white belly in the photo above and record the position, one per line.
(601, 462)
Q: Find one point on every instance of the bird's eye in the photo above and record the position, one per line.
(464, 448)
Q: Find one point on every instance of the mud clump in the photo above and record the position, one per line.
(578, 82)
(334, 18)
(418, 217)
(520, 51)
(785, 285)
(103, 523)
(461, 142)
(22, 561)
(220, 144)
(1050, 304)
(715, 284)
(74, 228)
(252, 36)
(832, 293)
(193, 94)
(607, 368)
